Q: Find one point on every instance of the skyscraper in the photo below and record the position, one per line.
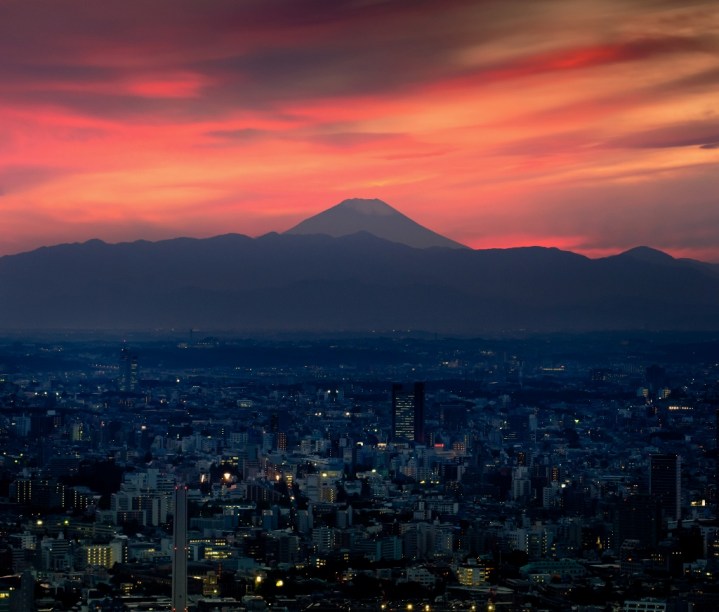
(128, 381)
(637, 517)
(665, 484)
(179, 551)
(408, 412)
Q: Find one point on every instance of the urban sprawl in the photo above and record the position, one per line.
(396, 472)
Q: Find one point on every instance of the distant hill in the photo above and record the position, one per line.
(374, 217)
(357, 283)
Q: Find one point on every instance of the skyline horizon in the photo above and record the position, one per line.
(589, 127)
(288, 231)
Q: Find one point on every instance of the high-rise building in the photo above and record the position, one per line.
(665, 484)
(281, 441)
(24, 598)
(179, 551)
(637, 517)
(408, 412)
(128, 380)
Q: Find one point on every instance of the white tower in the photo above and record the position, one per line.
(179, 551)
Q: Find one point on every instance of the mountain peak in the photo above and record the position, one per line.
(375, 217)
(365, 206)
(647, 254)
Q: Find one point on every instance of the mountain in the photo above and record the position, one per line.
(353, 283)
(647, 254)
(374, 217)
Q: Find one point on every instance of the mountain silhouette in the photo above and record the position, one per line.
(353, 283)
(648, 254)
(374, 217)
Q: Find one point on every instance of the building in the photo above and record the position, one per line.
(645, 605)
(544, 570)
(179, 551)
(665, 484)
(106, 555)
(473, 574)
(408, 412)
(128, 380)
(638, 517)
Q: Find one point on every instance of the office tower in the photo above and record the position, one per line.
(128, 381)
(25, 597)
(179, 551)
(665, 484)
(408, 412)
(637, 517)
(281, 441)
(277, 426)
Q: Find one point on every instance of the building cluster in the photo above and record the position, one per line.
(474, 477)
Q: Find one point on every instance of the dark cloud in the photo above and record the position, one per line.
(575, 58)
(392, 63)
(257, 54)
(121, 106)
(704, 134)
(367, 60)
(337, 139)
(27, 73)
(254, 53)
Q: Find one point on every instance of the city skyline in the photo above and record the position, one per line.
(266, 474)
(588, 127)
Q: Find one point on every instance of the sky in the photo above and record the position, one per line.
(588, 125)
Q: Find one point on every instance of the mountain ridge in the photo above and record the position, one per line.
(357, 283)
(381, 271)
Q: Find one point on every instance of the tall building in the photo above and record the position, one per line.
(637, 517)
(179, 551)
(128, 380)
(408, 412)
(665, 484)
(25, 596)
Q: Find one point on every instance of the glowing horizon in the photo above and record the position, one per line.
(588, 126)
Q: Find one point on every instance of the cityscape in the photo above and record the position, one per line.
(196, 472)
(359, 306)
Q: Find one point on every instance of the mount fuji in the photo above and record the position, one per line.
(374, 217)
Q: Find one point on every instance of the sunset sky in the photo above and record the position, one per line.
(592, 126)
